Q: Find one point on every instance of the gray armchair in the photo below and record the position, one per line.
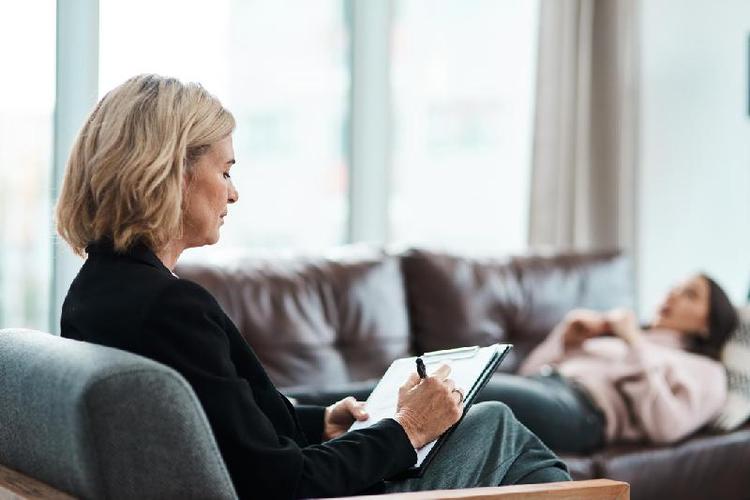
(97, 422)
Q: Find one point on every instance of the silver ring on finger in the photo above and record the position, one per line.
(460, 395)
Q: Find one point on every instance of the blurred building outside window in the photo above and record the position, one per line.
(463, 77)
(280, 66)
(27, 95)
(461, 94)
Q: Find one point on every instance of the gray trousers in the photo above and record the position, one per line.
(488, 448)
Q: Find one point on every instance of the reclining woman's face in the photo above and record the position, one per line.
(686, 307)
(209, 190)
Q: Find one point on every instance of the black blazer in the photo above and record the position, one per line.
(133, 302)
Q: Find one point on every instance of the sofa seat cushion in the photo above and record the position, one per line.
(313, 321)
(704, 466)
(580, 467)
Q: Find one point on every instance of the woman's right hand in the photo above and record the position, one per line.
(428, 407)
(583, 324)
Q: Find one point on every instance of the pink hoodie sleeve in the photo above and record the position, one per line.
(675, 394)
(549, 352)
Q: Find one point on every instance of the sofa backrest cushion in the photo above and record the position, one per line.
(315, 322)
(97, 422)
(457, 300)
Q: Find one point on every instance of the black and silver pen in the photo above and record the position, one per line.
(420, 368)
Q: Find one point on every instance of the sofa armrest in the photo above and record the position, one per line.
(593, 489)
(16, 486)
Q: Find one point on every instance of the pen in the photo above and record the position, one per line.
(420, 368)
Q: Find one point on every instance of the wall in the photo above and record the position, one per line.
(694, 179)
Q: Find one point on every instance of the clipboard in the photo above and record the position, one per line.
(471, 368)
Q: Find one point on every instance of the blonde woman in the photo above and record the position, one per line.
(148, 177)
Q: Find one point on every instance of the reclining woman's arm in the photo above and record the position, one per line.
(675, 394)
(569, 334)
(550, 351)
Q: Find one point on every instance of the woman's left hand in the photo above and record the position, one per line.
(341, 415)
(624, 324)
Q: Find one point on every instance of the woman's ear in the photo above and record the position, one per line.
(186, 179)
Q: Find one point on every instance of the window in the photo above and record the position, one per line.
(462, 93)
(27, 95)
(280, 67)
(463, 89)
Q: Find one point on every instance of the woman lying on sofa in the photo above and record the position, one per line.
(600, 378)
(148, 177)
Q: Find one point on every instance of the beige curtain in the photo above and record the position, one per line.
(585, 138)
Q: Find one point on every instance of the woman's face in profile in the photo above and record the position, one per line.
(209, 191)
(686, 307)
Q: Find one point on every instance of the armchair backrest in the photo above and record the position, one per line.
(98, 422)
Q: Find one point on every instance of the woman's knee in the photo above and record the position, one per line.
(495, 410)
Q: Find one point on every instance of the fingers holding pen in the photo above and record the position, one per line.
(442, 372)
(438, 378)
(428, 406)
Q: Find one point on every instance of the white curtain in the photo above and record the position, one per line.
(583, 185)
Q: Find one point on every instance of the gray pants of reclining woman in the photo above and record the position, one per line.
(488, 448)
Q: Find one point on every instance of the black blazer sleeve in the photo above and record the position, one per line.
(311, 420)
(186, 329)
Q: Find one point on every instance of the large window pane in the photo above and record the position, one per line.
(280, 66)
(463, 88)
(27, 94)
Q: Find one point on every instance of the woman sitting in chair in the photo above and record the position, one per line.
(148, 177)
(600, 378)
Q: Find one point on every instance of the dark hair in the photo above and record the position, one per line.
(722, 321)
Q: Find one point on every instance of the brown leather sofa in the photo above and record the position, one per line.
(328, 327)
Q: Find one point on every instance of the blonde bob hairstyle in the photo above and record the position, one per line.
(125, 176)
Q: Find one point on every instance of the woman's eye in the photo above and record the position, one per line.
(227, 176)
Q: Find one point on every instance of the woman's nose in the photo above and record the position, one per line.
(234, 195)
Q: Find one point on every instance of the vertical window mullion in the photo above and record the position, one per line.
(370, 120)
(77, 70)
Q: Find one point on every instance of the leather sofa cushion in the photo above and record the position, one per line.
(316, 322)
(580, 467)
(457, 300)
(704, 466)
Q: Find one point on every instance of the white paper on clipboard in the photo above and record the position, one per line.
(468, 370)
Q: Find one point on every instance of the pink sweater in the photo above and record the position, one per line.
(652, 390)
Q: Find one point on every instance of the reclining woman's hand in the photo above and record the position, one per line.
(583, 324)
(624, 324)
(341, 415)
(428, 407)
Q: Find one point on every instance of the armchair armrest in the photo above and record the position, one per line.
(16, 486)
(593, 489)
